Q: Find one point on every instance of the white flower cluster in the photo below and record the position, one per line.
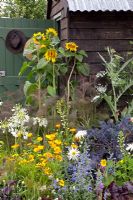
(101, 89)
(80, 134)
(101, 74)
(129, 147)
(17, 122)
(42, 122)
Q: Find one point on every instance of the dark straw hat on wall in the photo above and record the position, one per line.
(15, 41)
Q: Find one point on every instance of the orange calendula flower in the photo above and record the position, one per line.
(51, 55)
(15, 146)
(103, 163)
(61, 183)
(52, 144)
(57, 126)
(39, 139)
(71, 46)
(51, 31)
(51, 136)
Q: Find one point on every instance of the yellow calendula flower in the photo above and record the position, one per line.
(41, 147)
(71, 46)
(73, 130)
(103, 163)
(30, 135)
(39, 139)
(57, 126)
(51, 136)
(74, 146)
(57, 150)
(61, 183)
(52, 144)
(31, 157)
(51, 31)
(58, 142)
(58, 157)
(48, 155)
(47, 171)
(51, 55)
(15, 146)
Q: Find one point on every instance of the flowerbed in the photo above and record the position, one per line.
(40, 160)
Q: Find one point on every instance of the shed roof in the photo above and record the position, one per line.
(100, 5)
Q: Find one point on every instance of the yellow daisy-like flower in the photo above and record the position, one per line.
(51, 31)
(39, 139)
(58, 142)
(74, 146)
(15, 146)
(57, 150)
(57, 126)
(58, 157)
(103, 163)
(71, 46)
(73, 130)
(61, 183)
(48, 155)
(47, 171)
(51, 55)
(51, 136)
(52, 144)
(30, 135)
(41, 147)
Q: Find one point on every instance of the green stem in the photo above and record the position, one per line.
(68, 82)
(54, 81)
(39, 92)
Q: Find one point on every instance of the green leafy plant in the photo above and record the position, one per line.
(119, 81)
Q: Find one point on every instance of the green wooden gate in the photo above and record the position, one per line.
(10, 63)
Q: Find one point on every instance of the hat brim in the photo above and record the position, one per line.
(15, 41)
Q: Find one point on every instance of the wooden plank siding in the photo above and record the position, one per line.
(57, 7)
(94, 31)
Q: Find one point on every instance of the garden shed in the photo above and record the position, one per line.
(94, 25)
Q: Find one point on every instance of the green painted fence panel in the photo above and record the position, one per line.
(11, 63)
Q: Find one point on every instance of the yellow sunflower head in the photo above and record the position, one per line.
(51, 55)
(51, 32)
(71, 46)
(37, 37)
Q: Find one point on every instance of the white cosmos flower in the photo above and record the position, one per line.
(73, 154)
(81, 134)
(129, 147)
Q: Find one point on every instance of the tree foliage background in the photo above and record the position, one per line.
(30, 9)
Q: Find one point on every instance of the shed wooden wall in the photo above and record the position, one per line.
(96, 30)
(57, 7)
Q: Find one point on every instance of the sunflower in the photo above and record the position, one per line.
(51, 55)
(71, 46)
(51, 31)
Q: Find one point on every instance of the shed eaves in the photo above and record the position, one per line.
(100, 5)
